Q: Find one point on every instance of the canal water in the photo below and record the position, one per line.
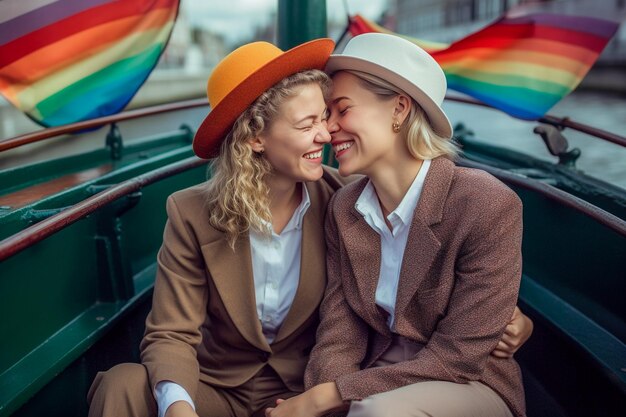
(600, 159)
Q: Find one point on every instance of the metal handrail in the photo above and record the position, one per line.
(33, 137)
(39, 231)
(51, 132)
(560, 122)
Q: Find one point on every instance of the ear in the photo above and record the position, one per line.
(257, 144)
(402, 108)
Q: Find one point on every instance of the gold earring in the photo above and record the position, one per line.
(396, 127)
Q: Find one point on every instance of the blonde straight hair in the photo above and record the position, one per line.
(238, 196)
(422, 141)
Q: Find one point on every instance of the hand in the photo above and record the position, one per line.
(515, 335)
(313, 403)
(298, 406)
(180, 409)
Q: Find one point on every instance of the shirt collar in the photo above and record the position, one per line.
(295, 223)
(407, 206)
(298, 215)
(368, 204)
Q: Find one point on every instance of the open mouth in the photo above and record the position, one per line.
(313, 155)
(341, 147)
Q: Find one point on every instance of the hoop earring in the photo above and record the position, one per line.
(395, 126)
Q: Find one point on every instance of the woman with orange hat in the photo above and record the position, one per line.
(241, 271)
(424, 257)
(230, 267)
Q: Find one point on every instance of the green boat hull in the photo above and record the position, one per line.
(75, 302)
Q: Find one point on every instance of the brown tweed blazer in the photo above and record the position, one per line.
(458, 286)
(203, 324)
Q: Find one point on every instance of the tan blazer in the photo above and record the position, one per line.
(203, 324)
(458, 286)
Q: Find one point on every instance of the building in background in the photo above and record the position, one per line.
(192, 48)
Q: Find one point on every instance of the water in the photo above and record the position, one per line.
(600, 159)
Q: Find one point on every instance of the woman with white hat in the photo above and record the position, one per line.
(424, 257)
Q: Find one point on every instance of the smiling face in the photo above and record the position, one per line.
(293, 142)
(360, 124)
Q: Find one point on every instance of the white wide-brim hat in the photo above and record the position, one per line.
(403, 64)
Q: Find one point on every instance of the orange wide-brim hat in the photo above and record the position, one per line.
(242, 76)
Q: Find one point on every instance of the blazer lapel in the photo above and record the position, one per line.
(312, 280)
(422, 244)
(417, 262)
(232, 274)
(363, 247)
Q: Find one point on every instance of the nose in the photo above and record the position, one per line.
(322, 134)
(332, 124)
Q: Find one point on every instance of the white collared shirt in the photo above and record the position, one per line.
(392, 242)
(276, 269)
(276, 274)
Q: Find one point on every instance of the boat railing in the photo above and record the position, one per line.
(52, 132)
(41, 230)
(553, 194)
(10, 143)
(558, 122)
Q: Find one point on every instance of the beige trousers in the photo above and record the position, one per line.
(124, 391)
(431, 398)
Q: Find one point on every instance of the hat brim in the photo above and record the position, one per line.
(217, 124)
(437, 118)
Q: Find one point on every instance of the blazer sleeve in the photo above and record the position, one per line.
(335, 352)
(168, 348)
(487, 278)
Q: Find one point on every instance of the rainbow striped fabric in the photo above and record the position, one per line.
(522, 65)
(65, 61)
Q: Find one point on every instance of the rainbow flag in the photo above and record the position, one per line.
(521, 65)
(65, 61)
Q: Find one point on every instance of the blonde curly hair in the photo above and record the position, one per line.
(238, 196)
(422, 141)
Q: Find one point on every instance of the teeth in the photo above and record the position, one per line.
(313, 155)
(342, 146)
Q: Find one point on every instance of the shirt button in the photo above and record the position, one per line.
(274, 285)
(276, 245)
